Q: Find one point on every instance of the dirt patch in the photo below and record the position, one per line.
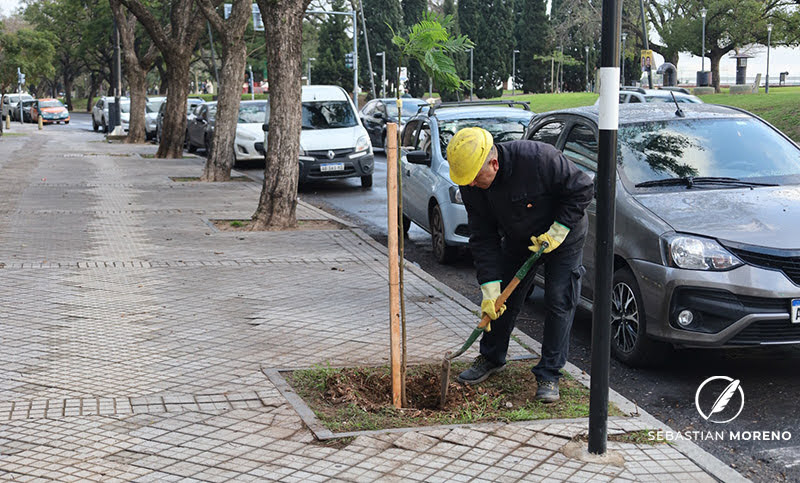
(356, 399)
(302, 225)
(192, 179)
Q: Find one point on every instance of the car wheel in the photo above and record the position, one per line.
(441, 250)
(105, 126)
(406, 224)
(189, 146)
(366, 181)
(629, 341)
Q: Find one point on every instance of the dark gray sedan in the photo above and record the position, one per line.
(707, 252)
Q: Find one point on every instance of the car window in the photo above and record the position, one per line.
(200, 111)
(252, 113)
(99, 103)
(409, 132)
(410, 108)
(328, 115)
(212, 111)
(51, 103)
(502, 129)
(549, 133)
(634, 99)
(581, 147)
(706, 147)
(368, 109)
(424, 138)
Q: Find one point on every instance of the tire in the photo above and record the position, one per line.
(406, 224)
(66, 122)
(442, 252)
(366, 181)
(94, 125)
(629, 341)
(189, 146)
(105, 125)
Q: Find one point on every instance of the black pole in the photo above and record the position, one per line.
(646, 44)
(117, 77)
(604, 248)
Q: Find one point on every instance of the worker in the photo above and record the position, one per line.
(518, 195)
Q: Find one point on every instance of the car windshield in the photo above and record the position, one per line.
(252, 113)
(409, 108)
(502, 128)
(52, 103)
(153, 106)
(742, 149)
(328, 115)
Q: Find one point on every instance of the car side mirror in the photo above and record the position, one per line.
(378, 115)
(419, 157)
(265, 127)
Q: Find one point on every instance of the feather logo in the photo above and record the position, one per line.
(724, 399)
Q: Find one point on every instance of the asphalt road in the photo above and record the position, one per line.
(768, 376)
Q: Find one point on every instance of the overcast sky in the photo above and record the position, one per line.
(8, 6)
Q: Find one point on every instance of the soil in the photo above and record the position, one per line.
(354, 399)
(302, 225)
(190, 179)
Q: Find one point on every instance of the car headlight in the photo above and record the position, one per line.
(362, 144)
(696, 253)
(455, 195)
(246, 136)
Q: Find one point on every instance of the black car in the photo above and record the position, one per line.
(377, 112)
(201, 128)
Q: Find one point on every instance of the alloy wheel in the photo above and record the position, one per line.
(624, 317)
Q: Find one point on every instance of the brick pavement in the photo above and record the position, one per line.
(134, 335)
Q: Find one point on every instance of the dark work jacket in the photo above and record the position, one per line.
(535, 186)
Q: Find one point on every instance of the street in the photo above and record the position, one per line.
(767, 375)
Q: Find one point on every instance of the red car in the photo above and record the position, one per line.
(51, 110)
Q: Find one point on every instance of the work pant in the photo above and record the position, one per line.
(562, 274)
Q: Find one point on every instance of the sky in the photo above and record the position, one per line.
(8, 6)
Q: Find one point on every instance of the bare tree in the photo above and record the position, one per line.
(176, 41)
(230, 33)
(283, 23)
(136, 68)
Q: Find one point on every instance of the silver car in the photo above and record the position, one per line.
(430, 198)
(707, 252)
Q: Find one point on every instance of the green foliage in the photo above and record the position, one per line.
(532, 37)
(460, 59)
(432, 46)
(490, 24)
(329, 67)
(29, 50)
(413, 12)
(383, 18)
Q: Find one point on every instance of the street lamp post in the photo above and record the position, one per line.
(470, 74)
(769, 41)
(587, 68)
(308, 70)
(624, 36)
(703, 12)
(514, 70)
(382, 55)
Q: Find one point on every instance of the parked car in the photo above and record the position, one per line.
(200, 129)
(632, 95)
(706, 247)
(377, 112)
(191, 105)
(11, 104)
(151, 115)
(100, 111)
(333, 142)
(51, 110)
(430, 199)
(24, 110)
(248, 144)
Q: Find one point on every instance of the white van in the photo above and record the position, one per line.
(333, 143)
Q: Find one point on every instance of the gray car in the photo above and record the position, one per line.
(707, 252)
(430, 198)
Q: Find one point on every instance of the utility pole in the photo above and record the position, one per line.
(769, 42)
(647, 44)
(587, 68)
(383, 72)
(252, 83)
(470, 74)
(608, 123)
(366, 47)
(308, 70)
(352, 14)
(514, 71)
(624, 36)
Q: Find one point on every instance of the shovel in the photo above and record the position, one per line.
(512, 285)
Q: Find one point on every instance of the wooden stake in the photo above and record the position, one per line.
(395, 338)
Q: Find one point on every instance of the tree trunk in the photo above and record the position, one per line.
(283, 21)
(234, 55)
(715, 58)
(138, 85)
(68, 90)
(95, 85)
(162, 75)
(173, 133)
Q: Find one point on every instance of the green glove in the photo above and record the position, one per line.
(554, 237)
(491, 291)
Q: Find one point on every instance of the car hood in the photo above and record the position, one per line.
(251, 128)
(319, 139)
(151, 116)
(766, 216)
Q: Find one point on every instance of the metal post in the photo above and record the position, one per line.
(622, 63)
(703, 52)
(252, 83)
(117, 80)
(470, 73)
(586, 48)
(383, 73)
(19, 91)
(514, 71)
(366, 47)
(355, 59)
(608, 124)
(769, 41)
(213, 55)
(646, 44)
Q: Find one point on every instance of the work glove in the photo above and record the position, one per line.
(491, 291)
(554, 237)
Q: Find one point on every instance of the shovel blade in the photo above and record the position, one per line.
(444, 379)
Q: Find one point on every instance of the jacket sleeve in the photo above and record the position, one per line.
(484, 239)
(573, 188)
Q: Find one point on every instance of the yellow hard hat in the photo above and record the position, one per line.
(466, 153)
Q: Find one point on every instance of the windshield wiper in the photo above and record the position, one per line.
(690, 181)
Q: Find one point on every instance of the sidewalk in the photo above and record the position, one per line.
(134, 336)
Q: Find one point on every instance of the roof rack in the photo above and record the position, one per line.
(526, 106)
(633, 88)
(682, 90)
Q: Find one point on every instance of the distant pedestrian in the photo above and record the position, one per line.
(209, 87)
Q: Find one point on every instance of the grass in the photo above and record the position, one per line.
(781, 107)
(551, 102)
(13, 134)
(359, 399)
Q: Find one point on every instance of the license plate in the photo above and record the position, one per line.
(331, 167)
(796, 311)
